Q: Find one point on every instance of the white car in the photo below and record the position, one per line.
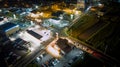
(55, 62)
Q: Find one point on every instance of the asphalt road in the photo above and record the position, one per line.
(31, 56)
(94, 52)
(22, 62)
(26, 60)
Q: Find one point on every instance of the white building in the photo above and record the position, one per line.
(33, 37)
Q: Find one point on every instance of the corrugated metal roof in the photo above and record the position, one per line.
(36, 35)
(7, 26)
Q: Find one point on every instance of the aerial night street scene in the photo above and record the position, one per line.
(59, 33)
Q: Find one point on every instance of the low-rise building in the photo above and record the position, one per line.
(33, 36)
(3, 39)
(9, 28)
(64, 45)
(20, 43)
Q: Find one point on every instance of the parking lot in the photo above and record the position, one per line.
(46, 60)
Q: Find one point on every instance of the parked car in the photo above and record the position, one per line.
(55, 61)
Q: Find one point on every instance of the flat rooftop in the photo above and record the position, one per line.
(7, 26)
(64, 45)
(36, 35)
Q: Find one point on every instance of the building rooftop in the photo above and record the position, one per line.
(20, 41)
(1, 19)
(64, 45)
(36, 35)
(7, 26)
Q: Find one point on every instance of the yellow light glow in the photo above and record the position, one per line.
(93, 9)
(56, 47)
(69, 11)
(53, 51)
(55, 7)
(77, 12)
(34, 15)
(38, 20)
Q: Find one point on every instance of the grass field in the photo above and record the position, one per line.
(82, 25)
